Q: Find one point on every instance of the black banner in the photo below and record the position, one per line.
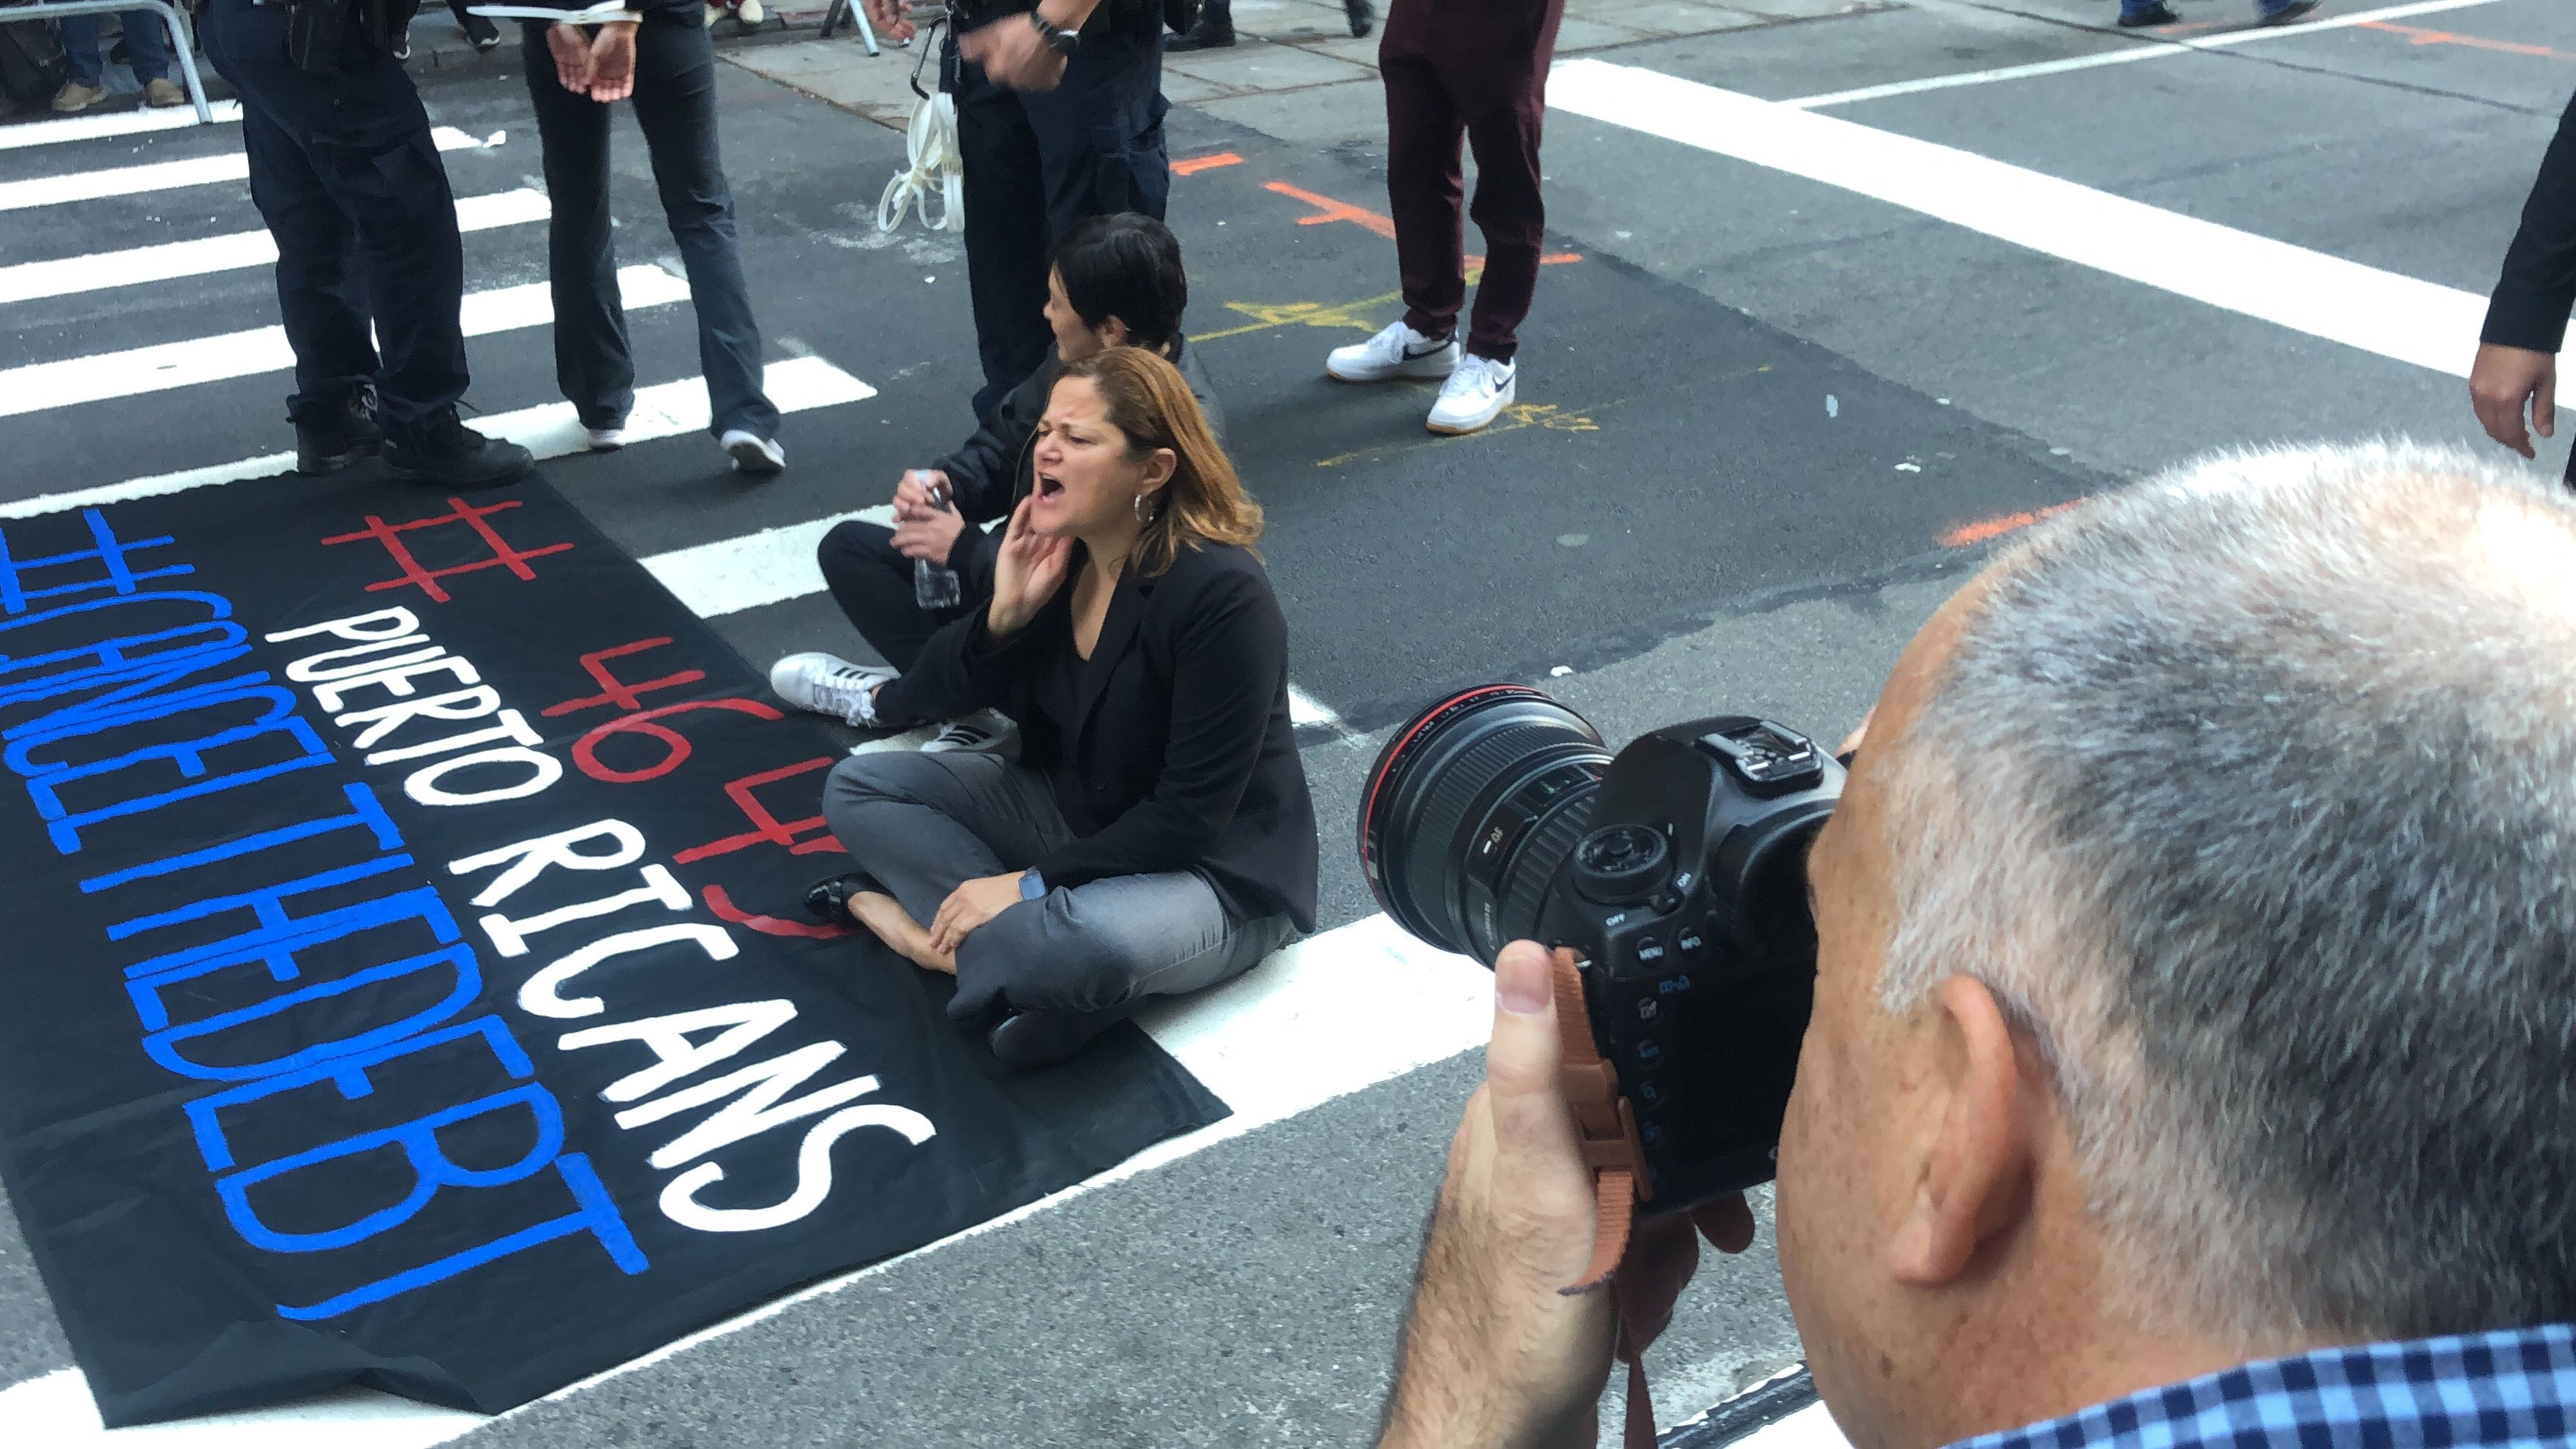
(406, 984)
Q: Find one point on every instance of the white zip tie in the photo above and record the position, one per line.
(937, 167)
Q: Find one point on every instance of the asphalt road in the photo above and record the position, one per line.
(1757, 400)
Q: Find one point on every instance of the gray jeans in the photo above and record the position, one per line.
(922, 824)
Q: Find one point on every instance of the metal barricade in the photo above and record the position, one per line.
(183, 36)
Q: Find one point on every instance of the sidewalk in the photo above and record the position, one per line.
(1285, 46)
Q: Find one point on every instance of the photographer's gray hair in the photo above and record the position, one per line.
(2250, 790)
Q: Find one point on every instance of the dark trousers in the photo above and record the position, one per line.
(675, 103)
(1039, 161)
(1475, 69)
(344, 172)
(872, 583)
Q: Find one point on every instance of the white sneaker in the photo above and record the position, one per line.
(753, 453)
(830, 685)
(1399, 351)
(605, 440)
(985, 730)
(1473, 396)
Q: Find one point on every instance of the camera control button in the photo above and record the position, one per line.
(1648, 1052)
(1690, 943)
(1647, 1096)
(1650, 1135)
(1649, 1009)
(1650, 951)
(1664, 902)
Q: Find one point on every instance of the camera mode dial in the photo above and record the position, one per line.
(1620, 865)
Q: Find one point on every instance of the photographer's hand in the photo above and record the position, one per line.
(1494, 1353)
(570, 48)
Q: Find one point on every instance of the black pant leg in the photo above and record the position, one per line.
(873, 585)
(371, 145)
(1100, 134)
(593, 363)
(321, 300)
(1006, 231)
(675, 101)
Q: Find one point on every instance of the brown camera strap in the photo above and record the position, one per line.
(1608, 1129)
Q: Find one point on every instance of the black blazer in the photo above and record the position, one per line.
(2532, 298)
(1184, 758)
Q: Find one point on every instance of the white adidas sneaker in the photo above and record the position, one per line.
(1473, 396)
(1399, 351)
(986, 730)
(827, 684)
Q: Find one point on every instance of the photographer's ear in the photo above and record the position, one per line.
(1971, 1178)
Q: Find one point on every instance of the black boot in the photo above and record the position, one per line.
(330, 439)
(447, 454)
(1362, 13)
(1215, 31)
(1030, 1039)
(2159, 15)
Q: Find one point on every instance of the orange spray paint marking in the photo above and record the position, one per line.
(2418, 36)
(1334, 210)
(1990, 528)
(1196, 164)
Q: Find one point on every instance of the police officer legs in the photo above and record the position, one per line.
(344, 171)
(1059, 117)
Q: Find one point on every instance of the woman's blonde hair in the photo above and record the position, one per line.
(1148, 400)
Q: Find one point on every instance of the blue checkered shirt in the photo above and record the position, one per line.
(2513, 1390)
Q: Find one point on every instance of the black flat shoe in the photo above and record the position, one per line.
(1206, 35)
(828, 899)
(1031, 1039)
(2161, 15)
(1362, 15)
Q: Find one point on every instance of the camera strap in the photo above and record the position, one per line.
(1607, 1126)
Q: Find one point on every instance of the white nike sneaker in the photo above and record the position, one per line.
(1399, 351)
(830, 685)
(605, 440)
(1473, 396)
(986, 730)
(753, 453)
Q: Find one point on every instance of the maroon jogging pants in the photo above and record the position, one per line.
(1475, 69)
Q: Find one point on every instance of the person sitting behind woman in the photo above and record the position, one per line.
(1114, 281)
(1155, 835)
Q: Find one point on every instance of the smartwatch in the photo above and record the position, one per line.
(1056, 37)
(1032, 885)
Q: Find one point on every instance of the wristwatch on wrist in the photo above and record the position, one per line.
(1055, 37)
(1032, 885)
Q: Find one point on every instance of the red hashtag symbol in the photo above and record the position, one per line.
(426, 579)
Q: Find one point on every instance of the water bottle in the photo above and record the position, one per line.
(935, 587)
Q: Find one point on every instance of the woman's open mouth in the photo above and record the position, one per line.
(1049, 488)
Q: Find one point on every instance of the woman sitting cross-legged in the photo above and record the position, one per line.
(1155, 834)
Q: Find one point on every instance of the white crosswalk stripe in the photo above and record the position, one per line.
(201, 256)
(157, 176)
(118, 123)
(1344, 1011)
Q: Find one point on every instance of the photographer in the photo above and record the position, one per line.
(2517, 364)
(1059, 117)
(348, 179)
(1116, 282)
(1155, 835)
(664, 60)
(2191, 1036)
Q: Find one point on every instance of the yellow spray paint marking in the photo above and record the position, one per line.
(1519, 416)
(1514, 418)
(1356, 315)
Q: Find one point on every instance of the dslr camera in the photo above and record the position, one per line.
(1676, 872)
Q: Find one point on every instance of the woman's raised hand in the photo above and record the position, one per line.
(1026, 573)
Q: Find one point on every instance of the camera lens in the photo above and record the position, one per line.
(1471, 808)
